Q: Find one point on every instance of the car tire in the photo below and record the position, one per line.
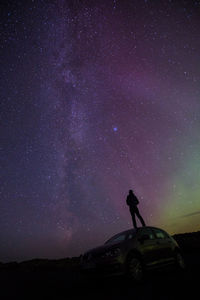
(179, 261)
(135, 269)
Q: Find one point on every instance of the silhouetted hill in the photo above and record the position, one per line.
(188, 241)
(43, 264)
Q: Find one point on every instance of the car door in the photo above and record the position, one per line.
(147, 246)
(164, 246)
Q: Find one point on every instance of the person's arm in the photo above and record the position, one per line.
(136, 200)
(127, 201)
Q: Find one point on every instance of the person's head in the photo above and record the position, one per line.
(130, 191)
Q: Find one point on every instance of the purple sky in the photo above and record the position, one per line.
(97, 97)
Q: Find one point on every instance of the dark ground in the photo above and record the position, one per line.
(26, 283)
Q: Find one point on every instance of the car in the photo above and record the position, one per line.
(133, 252)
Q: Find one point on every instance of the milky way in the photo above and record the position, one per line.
(105, 99)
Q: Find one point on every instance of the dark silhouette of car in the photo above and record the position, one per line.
(133, 252)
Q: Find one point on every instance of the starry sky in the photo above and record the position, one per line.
(97, 97)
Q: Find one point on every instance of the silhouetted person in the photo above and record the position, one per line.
(132, 201)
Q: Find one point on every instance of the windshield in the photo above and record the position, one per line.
(120, 237)
(116, 239)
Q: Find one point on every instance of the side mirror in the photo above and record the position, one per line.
(143, 238)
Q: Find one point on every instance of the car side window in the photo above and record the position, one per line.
(147, 231)
(130, 236)
(160, 234)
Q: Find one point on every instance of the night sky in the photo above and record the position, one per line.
(97, 97)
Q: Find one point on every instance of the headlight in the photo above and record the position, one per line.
(112, 253)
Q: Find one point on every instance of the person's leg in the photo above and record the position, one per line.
(133, 219)
(140, 217)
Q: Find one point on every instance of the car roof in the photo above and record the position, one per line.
(139, 229)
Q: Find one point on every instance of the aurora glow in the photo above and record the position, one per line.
(98, 97)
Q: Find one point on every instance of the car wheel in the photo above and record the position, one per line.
(135, 269)
(180, 262)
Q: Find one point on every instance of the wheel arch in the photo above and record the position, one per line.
(132, 253)
(178, 250)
